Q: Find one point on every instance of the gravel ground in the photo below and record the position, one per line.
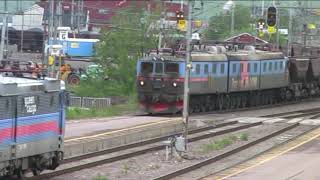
(246, 154)
(154, 164)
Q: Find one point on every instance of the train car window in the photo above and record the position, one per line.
(206, 69)
(222, 68)
(248, 67)
(255, 67)
(270, 66)
(234, 68)
(146, 67)
(159, 68)
(172, 68)
(264, 67)
(214, 68)
(241, 67)
(281, 65)
(276, 66)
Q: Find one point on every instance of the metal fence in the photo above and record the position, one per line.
(90, 102)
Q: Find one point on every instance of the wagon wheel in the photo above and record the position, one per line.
(243, 102)
(36, 171)
(220, 103)
(20, 173)
(73, 79)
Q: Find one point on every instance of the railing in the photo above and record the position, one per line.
(90, 102)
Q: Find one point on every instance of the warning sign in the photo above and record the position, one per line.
(271, 29)
(182, 25)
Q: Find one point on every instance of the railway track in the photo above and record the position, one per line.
(152, 145)
(241, 109)
(199, 134)
(225, 154)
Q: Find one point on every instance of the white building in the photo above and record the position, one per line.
(32, 19)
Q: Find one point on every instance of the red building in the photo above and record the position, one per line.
(96, 14)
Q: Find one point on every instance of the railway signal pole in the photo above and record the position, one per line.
(3, 31)
(185, 114)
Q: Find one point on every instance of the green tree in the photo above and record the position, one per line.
(122, 45)
(219, 26)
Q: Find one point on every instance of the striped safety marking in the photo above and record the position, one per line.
(122, 130)
(265, 157)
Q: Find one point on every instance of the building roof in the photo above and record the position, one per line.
(246, 38)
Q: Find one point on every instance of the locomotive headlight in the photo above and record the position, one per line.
(174, 84)
(141, 83)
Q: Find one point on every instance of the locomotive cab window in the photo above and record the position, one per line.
(276, 66)
(146, 67)
(172, 68)
(159, 68)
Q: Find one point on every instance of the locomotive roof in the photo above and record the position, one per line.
(17, 86)
(258, 55)
(230, 55)
(200, 56)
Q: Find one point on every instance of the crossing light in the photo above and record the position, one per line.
(179, 16)
(261, 23)
(181, 23)
(272, 16)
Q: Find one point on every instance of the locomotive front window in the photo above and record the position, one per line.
(146, 67)
(159, 68)
(172, 68)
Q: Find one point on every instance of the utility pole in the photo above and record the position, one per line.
(78, 15)
(72, 14)
(232, 19)
(304, 25)
(278, 27)
(185, 114)
(51, 29)
(162, 19)
(3, 31)
(59, 13)
(289, 53)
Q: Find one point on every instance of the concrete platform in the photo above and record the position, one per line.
(89, 127)
(299, 163)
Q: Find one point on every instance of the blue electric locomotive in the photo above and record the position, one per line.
(218, 80)
(32, 124)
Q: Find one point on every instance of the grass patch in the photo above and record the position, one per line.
(114, 110)
(243, 137)
(125, 168)
(222, 143)
(100, 177)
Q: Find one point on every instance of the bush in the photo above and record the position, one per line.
(101, 88)
(114, 110)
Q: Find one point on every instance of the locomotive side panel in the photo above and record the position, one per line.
(6, 127)
(208, 77)
(38, 126)
(274, 74)
(244, 75)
